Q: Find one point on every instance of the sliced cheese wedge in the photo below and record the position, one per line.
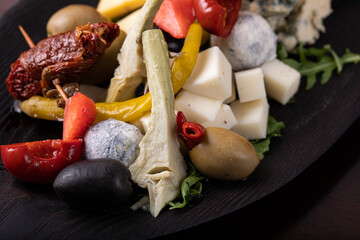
(160, 166)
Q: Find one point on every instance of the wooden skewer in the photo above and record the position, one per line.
(56, 82)
(26, 36)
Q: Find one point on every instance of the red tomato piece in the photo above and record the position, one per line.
(40, 161)
(217, 16)
(79, 114)
(175, 17)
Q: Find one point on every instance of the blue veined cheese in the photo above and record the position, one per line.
(251, 42)
(307, 21)
(212, 75)
(112, 139)
(293, 20)
(252, 118)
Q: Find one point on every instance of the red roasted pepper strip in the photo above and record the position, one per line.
(40, 161)
(191, 133)
(217, 16)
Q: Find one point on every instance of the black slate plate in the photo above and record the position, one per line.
(314, 122)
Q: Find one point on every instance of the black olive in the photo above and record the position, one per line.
(100, 184)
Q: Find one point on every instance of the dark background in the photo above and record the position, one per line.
(323, 202)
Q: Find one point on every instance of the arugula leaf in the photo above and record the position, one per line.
(313, 61)
(190, 187)
(273, 130)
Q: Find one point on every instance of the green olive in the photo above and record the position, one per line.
(103, 70)
(71, 16)
(225, 155)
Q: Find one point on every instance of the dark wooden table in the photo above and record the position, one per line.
(322, 203)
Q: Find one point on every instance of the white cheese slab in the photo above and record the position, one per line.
(224, 119)
(250, 85)
(252, 118)
(281, 80)
(212, 75)
(197, 108)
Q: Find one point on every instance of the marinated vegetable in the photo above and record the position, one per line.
(40, 161)
(131, 71)
(160, 166)
(217, 16)
(99, 184)
(66, 56)
(224, 155)
(79, 114)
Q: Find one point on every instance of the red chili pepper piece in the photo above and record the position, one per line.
(217, 16)
(40, 161)
(191, 133)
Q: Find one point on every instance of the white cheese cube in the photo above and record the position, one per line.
(233, 92)
(197, 108)
(211, 76)
(224, 119)
(281, 80)
(252, 118)
(250, 85)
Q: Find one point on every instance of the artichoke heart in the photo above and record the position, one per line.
(131, 71)
(160, 167)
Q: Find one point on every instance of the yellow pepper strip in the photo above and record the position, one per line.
(181, 69)
(130, 110)
(43, 108)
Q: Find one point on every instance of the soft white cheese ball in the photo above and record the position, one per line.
(251, 43)
(112, 139)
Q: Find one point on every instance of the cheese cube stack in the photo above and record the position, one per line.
(281, 80)
(252, 118)
(197, 108)
(224, 119)
(250, 85)
(212, 75)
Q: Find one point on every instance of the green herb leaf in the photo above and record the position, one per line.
(273, 130)
(313, 61)
(190, 187)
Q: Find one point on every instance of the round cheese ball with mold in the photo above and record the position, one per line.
(112, 139)
(251, 43)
